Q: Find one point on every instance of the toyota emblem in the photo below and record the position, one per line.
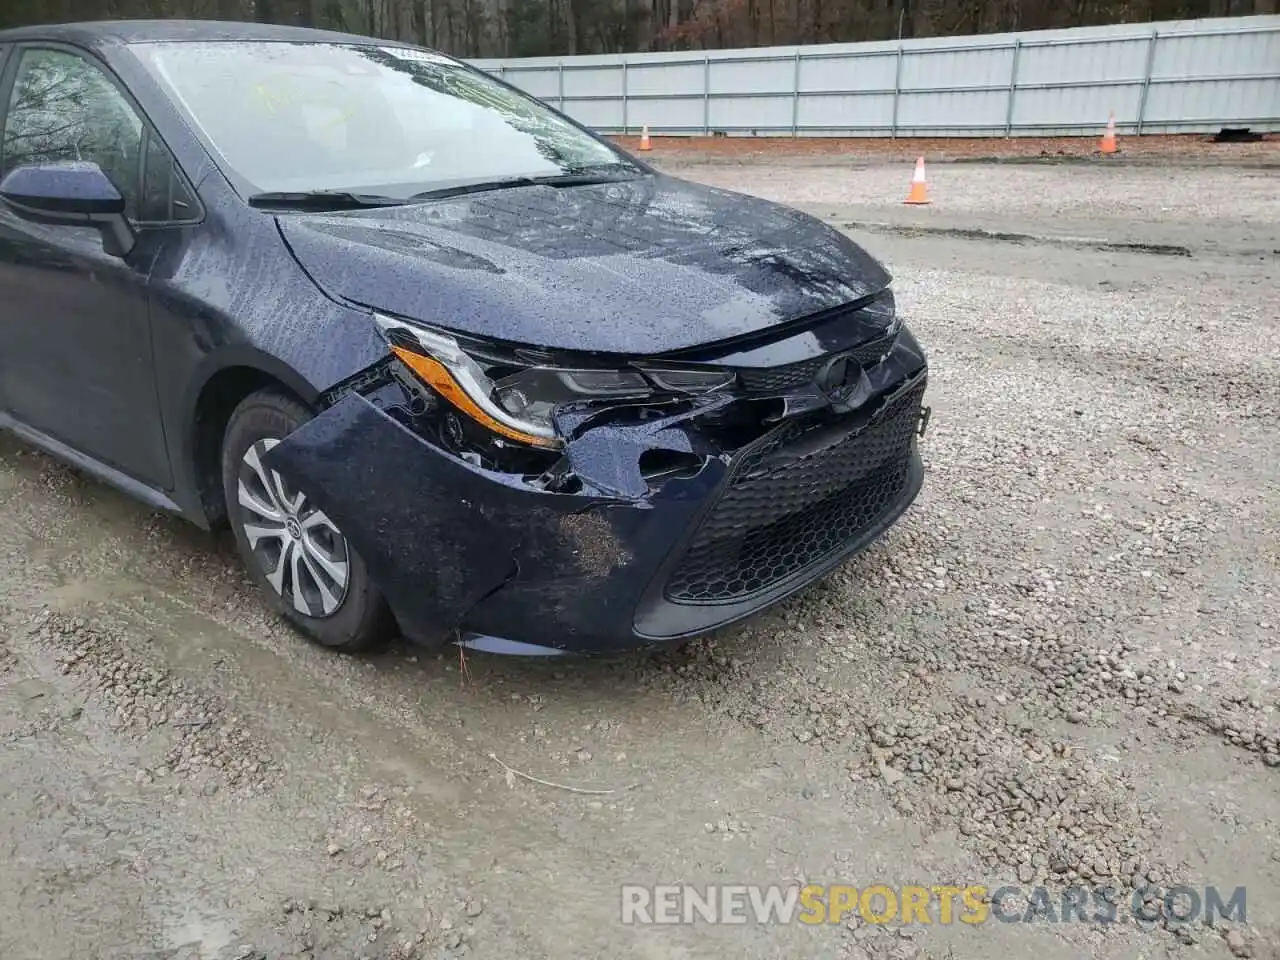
(832, 376)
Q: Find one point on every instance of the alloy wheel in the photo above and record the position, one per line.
(301, 552)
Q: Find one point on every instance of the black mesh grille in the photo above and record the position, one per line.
(792, 375)
(871, 353)
(774, 379)
(785, 509)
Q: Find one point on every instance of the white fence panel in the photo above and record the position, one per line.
(1174, 77)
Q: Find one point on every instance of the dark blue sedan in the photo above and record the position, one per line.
(444, 361)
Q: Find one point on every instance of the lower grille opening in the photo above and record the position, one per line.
(783, 513)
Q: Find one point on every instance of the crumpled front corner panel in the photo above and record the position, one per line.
(406, 510)
(439, 535)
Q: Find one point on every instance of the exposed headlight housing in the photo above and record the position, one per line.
(519, 406)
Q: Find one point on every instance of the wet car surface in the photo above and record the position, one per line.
(579, 408)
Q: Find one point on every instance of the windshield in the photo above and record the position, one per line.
(386, 121)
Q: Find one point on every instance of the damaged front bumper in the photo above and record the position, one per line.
(626, 555)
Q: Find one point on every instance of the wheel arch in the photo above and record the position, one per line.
(224, 382)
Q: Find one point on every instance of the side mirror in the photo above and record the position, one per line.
(70, 192)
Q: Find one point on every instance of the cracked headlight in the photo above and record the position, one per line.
(520, 405)
(534, 393)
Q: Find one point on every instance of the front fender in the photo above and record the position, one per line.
(412, 513)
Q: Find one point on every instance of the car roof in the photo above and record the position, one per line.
(103, 33)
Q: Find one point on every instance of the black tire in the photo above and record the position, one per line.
(361, 621)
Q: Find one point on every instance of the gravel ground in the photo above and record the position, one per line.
(1112, 202)
(1060, 668)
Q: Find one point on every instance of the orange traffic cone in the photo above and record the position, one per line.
(644, 138)
(919, 188)
(1108, 142)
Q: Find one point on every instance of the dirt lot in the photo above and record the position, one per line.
(1060, 668)
(1184, 149)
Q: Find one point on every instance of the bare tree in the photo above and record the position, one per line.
(563, 27)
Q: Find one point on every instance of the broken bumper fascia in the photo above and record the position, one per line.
(470, 555)
(631, 610)
(458, 549)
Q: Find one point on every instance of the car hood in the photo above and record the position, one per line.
(641, 266)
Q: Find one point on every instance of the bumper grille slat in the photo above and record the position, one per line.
(783, 511)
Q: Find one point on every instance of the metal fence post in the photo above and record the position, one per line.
(795, 96)
(897, 88)
(706, 96)
(1146, 78)
(560, 85)
(626, 124)
(1013, 88)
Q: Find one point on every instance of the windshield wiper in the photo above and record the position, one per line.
(577, 178)
(480, 186)
(321, 200)
(609, 169)
(581, 176)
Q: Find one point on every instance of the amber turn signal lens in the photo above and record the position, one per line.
(437, 375)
